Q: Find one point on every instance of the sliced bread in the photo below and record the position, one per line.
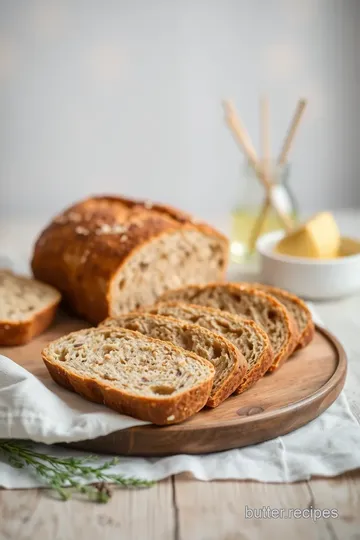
(246, 335)
(230, 365)
(110, 255)
(247, 301)
(131, 373)
(297, 308)
(27, 308)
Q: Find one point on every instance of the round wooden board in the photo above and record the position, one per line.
(303, 388)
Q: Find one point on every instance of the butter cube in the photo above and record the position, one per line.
(319, 238)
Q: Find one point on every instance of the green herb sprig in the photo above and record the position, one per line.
(61, 473)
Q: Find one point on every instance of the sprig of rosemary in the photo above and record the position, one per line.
(61, 473)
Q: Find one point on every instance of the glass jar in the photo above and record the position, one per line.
(247, 214)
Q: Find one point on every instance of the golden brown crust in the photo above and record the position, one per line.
(261, 367)
(234, 377)
(288, 347)
(238, 288)
(257, 372)
(306, 336)
(226, 390)
(76, 254)
(14, 333)
(167, 411)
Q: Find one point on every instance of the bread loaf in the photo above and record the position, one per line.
(109, 255)
(131, 373)
(250, 302)
(230, 365)
(246, 335)
(27, 308)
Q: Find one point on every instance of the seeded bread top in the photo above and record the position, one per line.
(83, 248)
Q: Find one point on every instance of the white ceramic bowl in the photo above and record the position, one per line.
(310, 278)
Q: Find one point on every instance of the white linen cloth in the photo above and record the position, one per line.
(29, 409)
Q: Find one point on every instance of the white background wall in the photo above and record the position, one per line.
(125, 96)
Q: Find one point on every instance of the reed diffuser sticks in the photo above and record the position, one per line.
(266, 165)
(299, 111)
(263, 168)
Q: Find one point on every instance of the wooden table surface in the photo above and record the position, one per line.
(181, 508)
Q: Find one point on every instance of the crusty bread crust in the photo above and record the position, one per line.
(261, 367)
(289, 322)
(238, 288)
(229, 387)
(252, 374)
(14, 333)
(171, 410)
(71, 255)
(307, 335)
(234, 377)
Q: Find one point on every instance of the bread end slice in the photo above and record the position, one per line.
(22, 332)
(28, 308)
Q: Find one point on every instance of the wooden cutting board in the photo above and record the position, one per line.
(303, 388)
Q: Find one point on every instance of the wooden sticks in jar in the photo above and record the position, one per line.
(263, 168)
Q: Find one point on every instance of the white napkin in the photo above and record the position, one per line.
(48, 414)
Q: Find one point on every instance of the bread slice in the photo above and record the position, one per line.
(297, 308)
(131, 373)
(247, 301)
(27, 308)
(230, 365)
(245, 335)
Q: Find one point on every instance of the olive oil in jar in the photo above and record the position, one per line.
(245, 214)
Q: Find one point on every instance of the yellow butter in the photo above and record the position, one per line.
(319, 238)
